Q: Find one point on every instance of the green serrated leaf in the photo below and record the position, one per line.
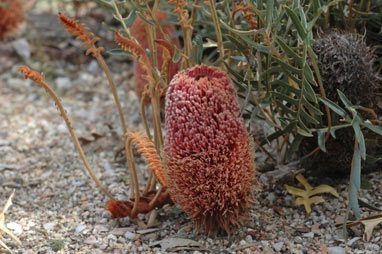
(308, 117)
(131, 18)
(333, 106)
(289, 50)
(296, 21)
(279, 133)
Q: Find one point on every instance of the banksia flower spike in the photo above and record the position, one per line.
(11, 17)
(208, 152)
(138, 31)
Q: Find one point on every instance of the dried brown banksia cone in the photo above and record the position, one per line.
(138, 30)
(210, 158)
(11, 17)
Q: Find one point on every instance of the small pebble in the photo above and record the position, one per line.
(17, 228)
(49, 226)
(336, 250)
(129, 235)
(121, 231)
(91, 240)
(309, 235)
(112, 237)
(278, 246)
(100, 228)
(80, 228)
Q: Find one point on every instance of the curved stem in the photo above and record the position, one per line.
(218, 31)
(143, 114)
(104, 67)
(74, 137)
(121, 18)
(133, 173)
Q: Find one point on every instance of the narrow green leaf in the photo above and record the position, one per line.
(270, 9)
(284, 108)
(279, 133)
(333, 106)
(316, 6)
(309, 92)
(238, 44)
(302, 129)
(355, 177)
(375, 128)
(286, 98)
(288, 50)
(344, 99)
(360, 138)
(199, 49)
(151, 22)
(132, 16)
(312, 108)
(308, 117)
(176, 56)
(309, 75)
(253, 44)
(119, 52)
(321, 140)
(296, 21)
(238, 76)
(353, 198)
(367, 205)
(289, 67)
(277, 83)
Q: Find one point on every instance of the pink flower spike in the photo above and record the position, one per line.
(211, 170)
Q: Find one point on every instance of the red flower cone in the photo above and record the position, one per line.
(211, 170)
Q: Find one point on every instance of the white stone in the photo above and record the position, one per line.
(49, 226)
(80, 228)
(336, 250)
(278, 246)
(17, 228)
(129, 235)
(309, 235)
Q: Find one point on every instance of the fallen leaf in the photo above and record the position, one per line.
(369, 223)
(308, 196)
(176, 242)
(2, 223)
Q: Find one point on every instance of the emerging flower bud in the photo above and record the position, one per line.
(210, 158)
(138, 30)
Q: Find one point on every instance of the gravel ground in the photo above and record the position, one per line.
(57, 208)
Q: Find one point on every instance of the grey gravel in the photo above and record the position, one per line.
(336, 250)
